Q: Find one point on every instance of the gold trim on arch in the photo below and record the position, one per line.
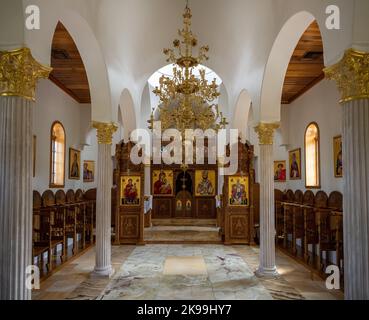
(19, 73)
(351, 75)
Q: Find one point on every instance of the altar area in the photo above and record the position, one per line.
(176, 204)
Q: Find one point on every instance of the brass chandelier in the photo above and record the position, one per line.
(186, 101)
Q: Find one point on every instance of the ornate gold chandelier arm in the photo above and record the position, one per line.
(192, 95)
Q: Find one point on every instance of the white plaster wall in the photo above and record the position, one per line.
(52, 104)
(319, 104)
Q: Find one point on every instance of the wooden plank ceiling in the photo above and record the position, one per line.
(69, 72)
(306, 65)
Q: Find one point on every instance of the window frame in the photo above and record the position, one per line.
(318, 186)
(51, 184)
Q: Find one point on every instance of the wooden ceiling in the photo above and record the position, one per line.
(306, 66)
(69, 72)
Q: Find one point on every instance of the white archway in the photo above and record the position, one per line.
(241, 114)
(128, 114)
(40, 43)
(86, 42)
(278, 61)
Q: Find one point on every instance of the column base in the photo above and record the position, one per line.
(267, 272)
(103, 273)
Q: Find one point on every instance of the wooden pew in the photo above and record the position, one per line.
(71, 220)
(52, 230)
(279, 215)
(80, 206)
(310, 227)
(288, 217)
(297, 221)
(90, 198)
(39, 246)
(315, 219)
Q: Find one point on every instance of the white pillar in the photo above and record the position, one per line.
(351, 76)
(16, 96)
(267, 266)
(356, 198)
(15, 196)
(103, 265)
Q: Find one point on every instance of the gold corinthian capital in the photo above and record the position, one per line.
(19, 73)
(351, 75)
(105, 131)
(265, 132)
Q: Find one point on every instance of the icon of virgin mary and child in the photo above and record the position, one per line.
(131, 193)
(162, 186)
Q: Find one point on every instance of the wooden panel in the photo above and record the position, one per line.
(162, 208)
(129, 227)
(306, 65)
(206, 208)
(239, 227)
(69, 72)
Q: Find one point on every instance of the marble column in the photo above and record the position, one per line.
(267, 267)
(103, 265)
(19, 74)
(351, 74)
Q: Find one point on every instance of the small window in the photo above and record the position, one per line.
(312, 156)
(57, 156)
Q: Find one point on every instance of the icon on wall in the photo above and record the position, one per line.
(205, 183)
(162, 182)
(238, 191)
(337, 152)
(130, 190)
(88, 171)
(74, 164)
(295, 164)
(280, 171)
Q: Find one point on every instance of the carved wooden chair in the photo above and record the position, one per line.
(53, 227)
(310, 226)
(39, 246)
(322, 214)
(71, 220)
(279, 215)
(332, 228)
(298, 221)
(288, 206)
(90, 198)
(80, 206)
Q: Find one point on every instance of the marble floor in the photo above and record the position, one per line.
(183, 271)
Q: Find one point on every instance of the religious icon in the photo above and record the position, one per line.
(188, 205)
(205, 183)
(74, 164)
(295, 164)
(280, 171)
(337, 152)
(88, 171)
(238, 191)
(179, 205)
(130, 190)
(162, 182)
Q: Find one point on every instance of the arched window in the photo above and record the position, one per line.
(57, 155)
(312, 156)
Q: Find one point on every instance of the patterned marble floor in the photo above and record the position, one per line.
(206, 272)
